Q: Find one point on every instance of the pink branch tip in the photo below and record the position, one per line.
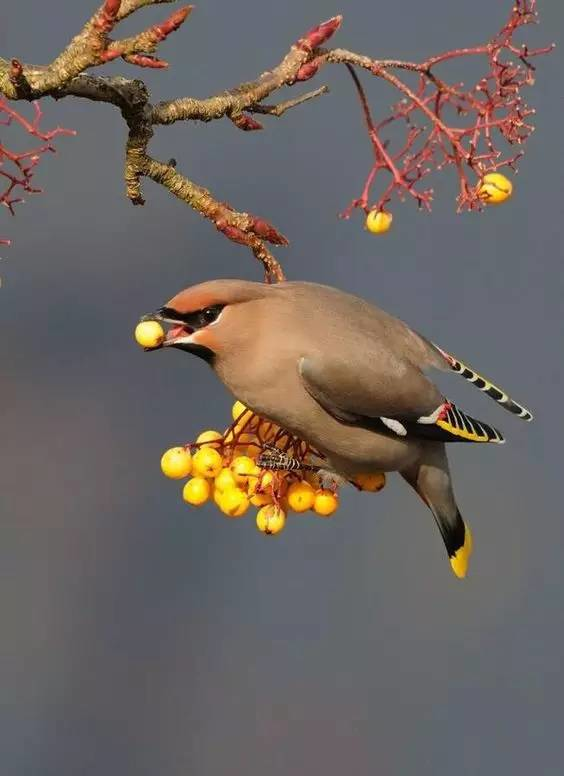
(319, 35)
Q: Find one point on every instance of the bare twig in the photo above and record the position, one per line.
(492, 109)
(18, 167)
(282, 107)
(89, 48)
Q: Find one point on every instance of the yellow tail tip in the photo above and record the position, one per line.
(459, 561)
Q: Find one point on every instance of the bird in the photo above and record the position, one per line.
(344, 376)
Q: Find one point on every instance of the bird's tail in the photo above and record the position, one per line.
(458, 541)
(485, 385)
(430, 478)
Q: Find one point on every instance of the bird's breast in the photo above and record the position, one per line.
(272, 388)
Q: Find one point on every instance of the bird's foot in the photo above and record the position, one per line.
(277, 460)
(330, 480)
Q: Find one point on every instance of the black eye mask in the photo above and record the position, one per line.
(198, 319)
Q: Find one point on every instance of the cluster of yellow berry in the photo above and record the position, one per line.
(226, 468)
(493, 189)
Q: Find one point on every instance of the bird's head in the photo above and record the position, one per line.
(213, 318)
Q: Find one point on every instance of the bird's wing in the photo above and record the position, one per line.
(389, 395)
(381, 386)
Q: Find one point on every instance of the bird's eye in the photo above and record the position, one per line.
(210, 314)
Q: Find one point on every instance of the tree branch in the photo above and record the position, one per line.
(89, 48)
(492, 107)
(282, 107)
(128, 7)
(17, 168)
(242, 228)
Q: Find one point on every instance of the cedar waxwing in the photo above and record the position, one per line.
(342, 375)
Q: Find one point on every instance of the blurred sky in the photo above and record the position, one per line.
(141, 637)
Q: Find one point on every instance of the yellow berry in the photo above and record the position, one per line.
(259, 492)
(217, 495)
(244, 424)
(248, 439)
(326, 502)
(371, 483)
(268, 430)
(233, 502)
(225, 480)
(196, 491)
(176, 463)
(251, 484)
(242, 468)
(253, 448)
(271, 519)
(282, 442)
(267, 479)
(253, 424)
(495, 188)
(379, 221)
(228, 436)
(207, 462)
(237, 410)
(261, 499)
(301, 496)
(273, 481)
(149, 334)
(209, 439)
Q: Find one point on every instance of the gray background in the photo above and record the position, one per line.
(142, 637)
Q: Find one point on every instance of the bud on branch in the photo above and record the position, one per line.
(107, 17)
(245, 122)
(319, 35)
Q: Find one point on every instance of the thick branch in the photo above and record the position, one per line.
(89, 48)
(121, 92)
(239, 227)
(242, 97)
(235, 101)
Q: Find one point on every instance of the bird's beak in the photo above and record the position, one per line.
(177, 336)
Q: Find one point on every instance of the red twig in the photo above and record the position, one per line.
(106, 19)
(320, 34)
(172, 23)
(139, 49)
(490, 115)
(17, 168)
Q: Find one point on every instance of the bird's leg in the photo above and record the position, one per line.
(277, 460)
